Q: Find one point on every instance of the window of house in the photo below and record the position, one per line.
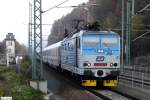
(10, 43)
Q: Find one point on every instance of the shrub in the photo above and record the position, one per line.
(25, 65)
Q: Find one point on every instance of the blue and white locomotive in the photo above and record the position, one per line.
(94, 56)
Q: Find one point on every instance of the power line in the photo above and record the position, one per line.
(145, 8)
(85, 5)
(55, 6)
(70, 6)
(119, 29)
(141, 36)
(39, 24)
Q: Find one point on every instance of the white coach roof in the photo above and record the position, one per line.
(55, 45)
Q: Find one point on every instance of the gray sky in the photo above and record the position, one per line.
(14, 16)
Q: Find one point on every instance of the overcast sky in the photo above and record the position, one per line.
(14, 17)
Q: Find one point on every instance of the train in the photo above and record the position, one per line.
(92, 56)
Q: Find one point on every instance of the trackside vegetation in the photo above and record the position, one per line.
(16, 85)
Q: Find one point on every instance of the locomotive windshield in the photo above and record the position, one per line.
(93, 44)
(91, 41)
(100, 41)
(109, 42)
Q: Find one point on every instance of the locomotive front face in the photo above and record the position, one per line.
(100, 53)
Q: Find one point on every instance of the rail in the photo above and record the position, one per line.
(111, 94)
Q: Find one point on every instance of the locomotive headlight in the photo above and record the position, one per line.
(89, 64)
(86, 64)
(111, 64)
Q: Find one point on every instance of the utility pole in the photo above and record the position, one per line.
(30, 31)
(37, 65)
(128, 32)
(38, 81)
(30, 37)
(133, 3)
(122, 34)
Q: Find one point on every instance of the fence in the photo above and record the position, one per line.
(136, 76)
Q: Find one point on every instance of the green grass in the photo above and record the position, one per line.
(15, 85)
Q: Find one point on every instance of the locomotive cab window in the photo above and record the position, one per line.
(109, 42)
(78, 42)
(91, 41)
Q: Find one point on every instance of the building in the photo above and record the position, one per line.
(10, 48)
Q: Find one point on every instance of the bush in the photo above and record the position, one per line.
(25, 93)
(1, 78)
(25, 65)
(1, 91)
(15, 85)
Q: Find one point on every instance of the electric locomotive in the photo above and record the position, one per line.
(93, 56)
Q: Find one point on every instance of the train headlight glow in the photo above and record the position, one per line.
(111, 64)
(86, 64)
(89, 64)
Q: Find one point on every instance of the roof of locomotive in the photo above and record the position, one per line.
(80, 33)
(96, 32)
(55, 45)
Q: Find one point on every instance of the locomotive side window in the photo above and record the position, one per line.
(65, 46)
(78, 42)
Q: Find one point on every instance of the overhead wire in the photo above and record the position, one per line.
(55, 6)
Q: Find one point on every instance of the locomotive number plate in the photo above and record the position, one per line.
(88, 83)
(110, 82)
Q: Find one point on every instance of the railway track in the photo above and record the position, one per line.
(111, 94)
(108, 95)
(102, 94)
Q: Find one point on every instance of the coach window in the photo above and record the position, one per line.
(68, 46)
(65, 46)
(78, 42)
